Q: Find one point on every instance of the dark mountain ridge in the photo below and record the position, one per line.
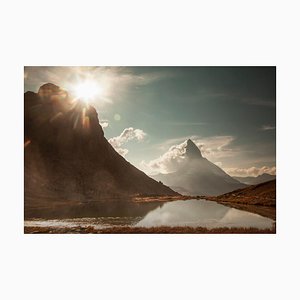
(259, 198)
(67, 157)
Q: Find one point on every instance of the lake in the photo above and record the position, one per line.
(193, 213)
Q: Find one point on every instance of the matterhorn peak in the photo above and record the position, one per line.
(192, 151)
(198, 176)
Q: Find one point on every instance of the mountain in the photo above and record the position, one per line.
(258, 194)
(199, 176)
(259, 199)
(256, 180)
(67, 158)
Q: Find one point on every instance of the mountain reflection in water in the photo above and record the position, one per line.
(193, 213)
(204, 214)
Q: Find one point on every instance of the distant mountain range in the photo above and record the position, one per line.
(199, 176)
(67, 156)
(255, 180)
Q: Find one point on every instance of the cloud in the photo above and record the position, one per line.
(122, 151)
(219, 163)
(253, 171)
(267, 127)
(185, 123)
(104, 123)
(168, 162)
(114, 81)
(128, 134)
(216, 147)
(128, 78)
(213, 148)
(259, 102)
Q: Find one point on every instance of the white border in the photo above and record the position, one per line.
(149, 33)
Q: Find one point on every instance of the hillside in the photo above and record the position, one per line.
(259, 199)
(68, 159)
(259, 194)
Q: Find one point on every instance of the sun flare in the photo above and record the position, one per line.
(87, 90)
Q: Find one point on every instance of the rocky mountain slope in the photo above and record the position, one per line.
(259, 194)
(67, 157)
(259, 199)
(199, 176)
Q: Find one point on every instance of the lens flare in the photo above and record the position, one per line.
(87, 90)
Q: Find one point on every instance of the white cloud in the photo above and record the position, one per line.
(213, 148)
(218, 163)
(253, 171)
(267, 127)
(168, 162)
(104, 123)
(114, 81)
(128, 134)
(216, 147)
(122, 151)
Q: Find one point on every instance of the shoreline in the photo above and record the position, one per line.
(242, 203)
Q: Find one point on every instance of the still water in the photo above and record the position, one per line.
(192, 213)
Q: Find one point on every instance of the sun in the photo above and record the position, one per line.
(87, 90)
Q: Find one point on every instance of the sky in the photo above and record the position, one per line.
(147, 113)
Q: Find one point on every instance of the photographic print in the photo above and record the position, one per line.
(149, 149)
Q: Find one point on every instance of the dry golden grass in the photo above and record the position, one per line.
(145, 199)
(263, 194)
(144, 230)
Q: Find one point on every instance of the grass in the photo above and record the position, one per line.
(145, 199)
(145, 230)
